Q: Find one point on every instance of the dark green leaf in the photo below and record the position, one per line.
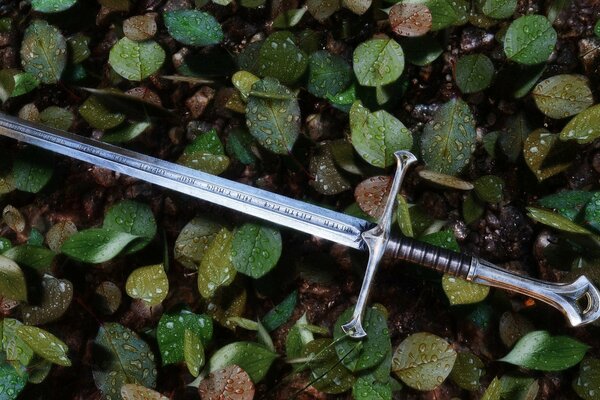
(474, 73)
(511, 141)
(32, 170)
(281, 313)
(587, 383)
(193, 27)
(56, 117)
(290, 18)
(323, 9)
(281, 59)
(206, 154)
(96, 245)
(467, 371)
(12, 344)
(52, 6)
(422, 50)
(98, 115)
(369, 389)
(136, 60)
(126, 133)
(11, 382)
(255, 249)
(518, 388)
(490, 188)
(499, 9)
(55, 298)
(216, 268)
(446, 13)
(328, 74)
(44, 52)
(36, 257)
(171, 331)
(378, 62)
(134, 218)
(329, 375)
(556, 221)
(529, 39)
(253, 358)
(592, 212)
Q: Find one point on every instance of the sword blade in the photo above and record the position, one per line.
(272, 207)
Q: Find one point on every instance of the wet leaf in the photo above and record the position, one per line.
(24, 83)
(132, 391)
(32, 170)
(555, 220)
(98, 115)
(372, 349)
(327, 178)
(193, 352)
(13, 218)
(587, 383)
(328, 374)
(449, 139)
(357, 6)
(372, 193)
(140, 27)
(592, 212)
(529, 40)
(378, 62)
(328, 74)
(139, 103)
(134, 218)
(499, 9)
(253, 358)
(323, 9)
(511, 141)
(79, 49)
(377, 135)
(518, 388)
(290, 18)
(44, 344)
(56, 117)
(540, 351)
(52, 6)
(55, 299)
(490, 188)
(193, 241)
(460, 291)
(274, 122)
(96, 245)
(16, 349)
(126, 133)
(36, 257)
(136, 60)
(241, 145)
(228, 302)
(280, 58)
(11, 382)
(562, 96)
(403, 216)
(409, 19)
(216, 268)
(513, 327)
(568, 203)
(193, 27)
(536, 149)
(584, 127)
(243, 81)
(423, 361)
(255, 249)
(12, 280)
(170, 334)
(446, 13)
(368, 389)
(121, 357)
(149, 284)
(231, 382)
(474, 73)
(44, 52)
(467, 371)
(445, 180)
(280, 313)
(107, 297)
(206, 154)
(493, 391)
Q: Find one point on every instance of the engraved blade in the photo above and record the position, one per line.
(272, 207)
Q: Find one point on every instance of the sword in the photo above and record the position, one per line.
(579, 301)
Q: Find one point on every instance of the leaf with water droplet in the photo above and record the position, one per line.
(121, 357)
(460, 291)
(136, 60)
(529, 40)
(96, 245)
(193, 241)
(98, 115)
(11, 382)
(587, 383)
(516, 131)
(281, 312)
(193, 352)
(125, 133)
(489, 188)
(243, 81)
(275, 121)
(512, 327)
(562, 96)
(32, 170)
(328, 74)
(255, 249)
(44, 52)
(231, 382)
(57, 117)
(149, 284)
(445, 180)
(140, 27)
(358, 7)
(216, 268)
(467, 371)
(44, 344)
(170, 334)
(366, 388)
(36, 257)
(540, 351)
(474, 73)
(132, 391)
(518, 388)
(592, 212)
(56, 296)
(24, 83)
(499, 9)
(371, 350)
(228, 302)
(421, 51)
(446, 13)
(584, 127)
(280, 58)
(449, 139)
(193, 27)
(52, 6)
(107, 298)
(328, 374)
(407, 19)
(206, 154)
(378, 62)
(327, 178)
(12, 344)
(493, 391)
(14, 219)
(376, 136)
(289, 18)
(372, 193)
(536, 149)
(423, 361)
(132, 217)
(241, 146)
(253, 358)
(555, 220)
(12, 280)
(323, 9)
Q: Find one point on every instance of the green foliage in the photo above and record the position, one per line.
(52, 6)
(253, 358)
(280, 313)
(206, 154)
(584, 127)
(587, 383)
(36, 257)
(193, 27)
(11, 382)
(328, 374)
(149, 284)
(378, 62)
(55, 299)
(529, 40)
(12, 280)
(328, 74)
(446, 13)
(44, 52)
(562, 96)
(13, 345)
(98, 115)
(193, 241)
(499, 9)
(328, 179)
(489, 188)
(170, 334)
(193, 352)
(367, 389)
(136, 60)
(467, 371)
(216, 268)
(460, 291)
(537, 148)
(255, 249)
(323, 9)
(540, 351)
(96, 245)
(32, 170)
(474, 73)
(56, 117)
(281, 59)
(44, 344)
(555, 220)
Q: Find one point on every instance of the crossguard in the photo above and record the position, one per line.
(376, 240)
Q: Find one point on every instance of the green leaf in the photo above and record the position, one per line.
(512, 327)
(423, 361)
(243, 81)
(378, 62)
(56, 117)
(529, 40)
(536, 149)
(474, 73)
(98, 115)
(193, 352)
(193, 27)
(446, 13)
(562, 96)
(584, 127)
(568, 203)
(12, 280)
(16, 349)
(540, 351)
(24, 83)
(255, 249)
(556, 221)
(45, 344)
(11, 382)
(449, 139)
(32, 170)
(511, 141)
(518, 388)
(371, 350)
(281, 313)
(52, 6)
(443, 239)
(134, 218)
(499, 9)
(587, 383)
(216, 268)
(126, 133)
(289, 18)
(193, 241)
(493, 391)
(368, 389)
(44, 52)
(467, 371)
(280, 58)
(136, 60)
(445, 180)
(54, 301)
(422, 50)
(170, 334)
(149, 284)
(122, 357)
(592, 212)
(377, 135)
(206, 154)
(79, 49)
(253, 358)
(460, 291)
(328, 374)
(328, 74)
(327, 178)
(240, 145)
(489, 188)
(36, 257)
(403, 217)
(96, 245)
(323, 9)
(274, 122)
